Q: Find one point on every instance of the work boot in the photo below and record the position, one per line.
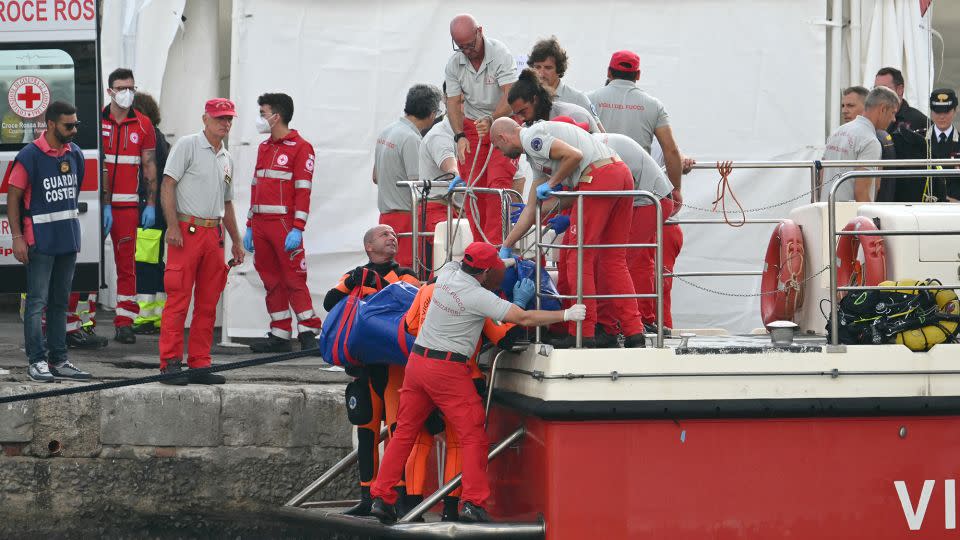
(272, 344)
(174, 365)
(651, 328)
(308, 341)
(125, 335)
(384, 511)
(66, 370)
(636, 341)
(92, 336)
(451, 509)
(363, 507)
(205, 377)
(407, 503)
(569, 341)
(605, 340)
(145, 328)
(78, 340)
(472, 513)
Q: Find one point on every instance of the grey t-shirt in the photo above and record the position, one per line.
(537, 139)
(624, 108)
(855, 140)
(481, 87)
(397, 159)
(569, 94)
(457, 311)
(437, 147)
(578, 113)
(204, 176)
(646, 173)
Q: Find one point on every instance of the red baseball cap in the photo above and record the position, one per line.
(218, 107)
(627, 61)
(567, 120)
(482, 256)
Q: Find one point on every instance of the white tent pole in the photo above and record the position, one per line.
(855, 27)
(836, 64)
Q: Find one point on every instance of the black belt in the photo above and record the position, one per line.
(440, 355)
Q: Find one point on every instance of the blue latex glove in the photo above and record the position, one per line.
(515, 214)
(294, 237)
(248, 240)
(107, 219)
(559, 223)
(523, 292)
(149, 216)
(506, 253)
(544, 190)
(455, 183)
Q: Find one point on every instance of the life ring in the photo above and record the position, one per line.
(783, 274)
(851, 271)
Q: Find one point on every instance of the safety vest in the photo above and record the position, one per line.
(282, 180)
(54, 190)
(123, 143)
(396, 273)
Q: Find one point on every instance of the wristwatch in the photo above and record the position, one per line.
(458, 136)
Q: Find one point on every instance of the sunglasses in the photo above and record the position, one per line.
(71, 125)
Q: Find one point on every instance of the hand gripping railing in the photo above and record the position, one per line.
(909, 175)
(580, 246)
(506, 196)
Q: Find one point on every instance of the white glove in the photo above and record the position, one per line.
(576, 312)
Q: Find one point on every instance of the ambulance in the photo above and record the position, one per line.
(49, 52)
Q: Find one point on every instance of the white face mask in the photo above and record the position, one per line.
(263, 124)
(123, 99)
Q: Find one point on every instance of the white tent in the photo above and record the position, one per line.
(746, 80)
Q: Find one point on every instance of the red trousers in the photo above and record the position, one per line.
(498, 174)
(642, 261)
(284, 276)
(400, 221)
(436, 213)
(124, 236)
(446, 385)
(199, 262)
(606, 220)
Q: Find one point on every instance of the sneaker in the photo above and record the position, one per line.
(174, 365)
(308, 341)
(206, 378)
(145, 329)
(384, 511)
(40, 371)
(651, 328)
(272, 344)
(125, 335)
(472, 513)
(92, 336)
(636, 341)
(66, 370)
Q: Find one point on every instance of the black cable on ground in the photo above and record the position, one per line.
(156, 378)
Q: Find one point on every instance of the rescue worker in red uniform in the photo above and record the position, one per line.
(437, 375)
(129, 144)
(279, 208)
(504, 336)
(566, 157)
(478, 76)
(197, 195)
(383, 381)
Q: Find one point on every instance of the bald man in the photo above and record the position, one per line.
(564, 156)
(478, 76)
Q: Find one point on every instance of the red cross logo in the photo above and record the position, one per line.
(28, 96)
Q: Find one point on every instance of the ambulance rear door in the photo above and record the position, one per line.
(48, 52)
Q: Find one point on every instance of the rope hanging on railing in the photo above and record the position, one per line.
(723, 186)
